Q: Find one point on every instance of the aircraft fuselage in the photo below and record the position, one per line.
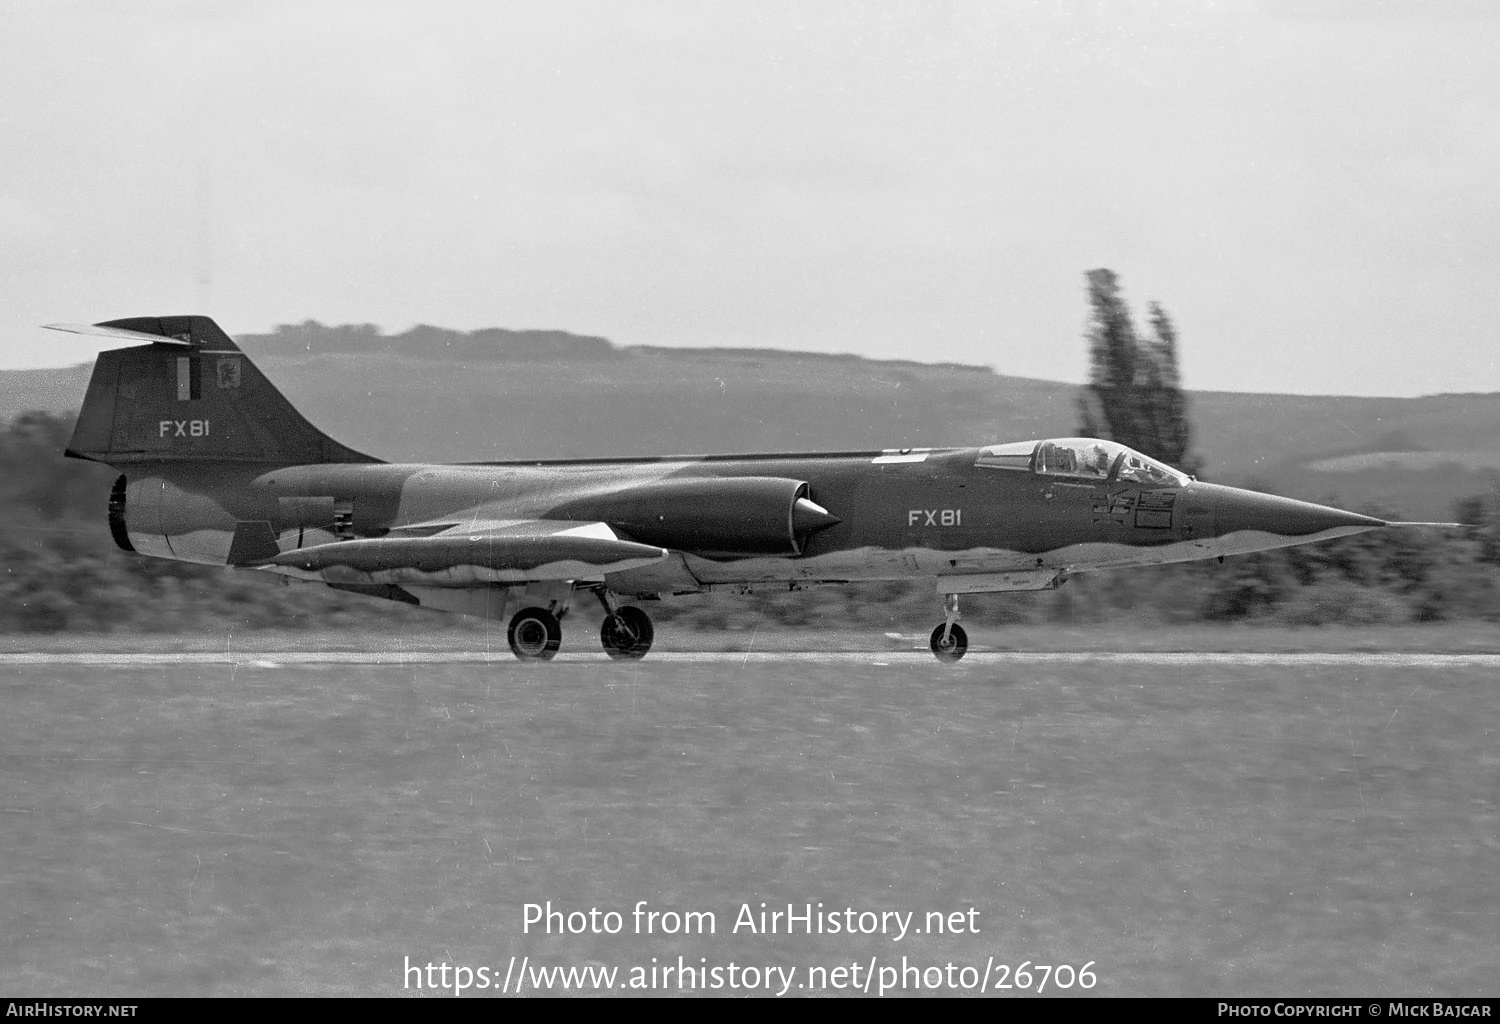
(899, 514)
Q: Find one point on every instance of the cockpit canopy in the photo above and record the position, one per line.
(1081, 458)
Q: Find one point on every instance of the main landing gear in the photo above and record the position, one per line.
(949, 641)
(626, 633)
(535, 633)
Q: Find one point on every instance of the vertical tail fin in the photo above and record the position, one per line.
(189, 394)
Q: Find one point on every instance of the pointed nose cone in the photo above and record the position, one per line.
(808, 516)
(1236, 510)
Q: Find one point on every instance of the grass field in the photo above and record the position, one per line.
(226, 829)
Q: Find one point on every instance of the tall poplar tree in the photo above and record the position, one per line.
(1134, 394)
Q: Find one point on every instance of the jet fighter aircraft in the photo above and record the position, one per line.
(217, 467)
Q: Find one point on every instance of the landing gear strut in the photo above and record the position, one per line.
(534, 634)
(627, 632)
(949, 641)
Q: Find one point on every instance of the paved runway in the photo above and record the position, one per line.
(273, 659)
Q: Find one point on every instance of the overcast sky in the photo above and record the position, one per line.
(1311, 189)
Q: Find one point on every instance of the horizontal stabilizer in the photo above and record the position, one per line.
(121, 333)
(501, 552)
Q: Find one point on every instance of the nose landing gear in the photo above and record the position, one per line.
(949, 641)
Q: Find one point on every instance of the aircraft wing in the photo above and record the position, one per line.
(460, 554)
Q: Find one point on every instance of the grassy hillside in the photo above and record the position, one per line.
(446, 396)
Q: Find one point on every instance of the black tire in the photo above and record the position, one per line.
(534, 634)
(957, 645)
(627, 635)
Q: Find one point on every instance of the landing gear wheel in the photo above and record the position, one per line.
(954, 646)
(627, 634)
(534, 634)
